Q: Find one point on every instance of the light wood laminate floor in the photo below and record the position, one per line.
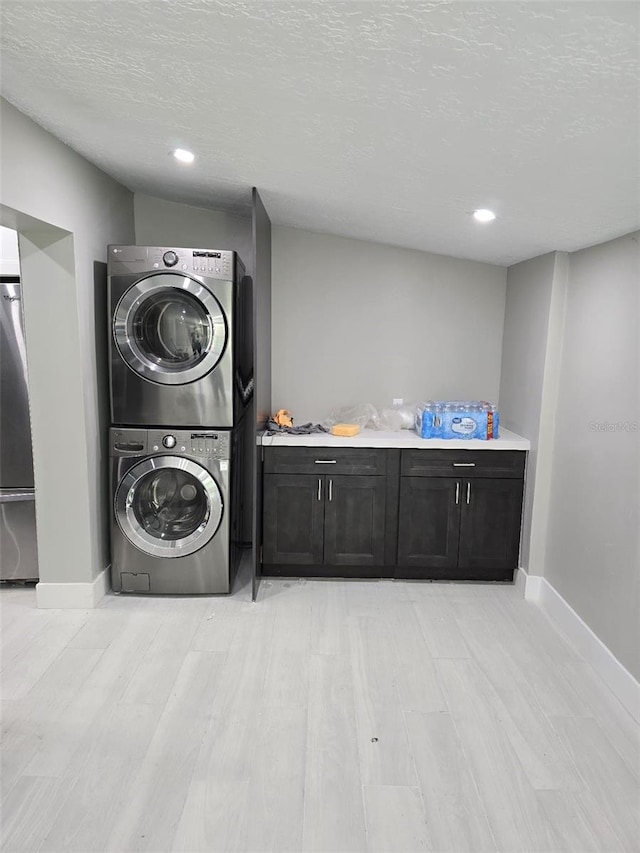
(329, 716)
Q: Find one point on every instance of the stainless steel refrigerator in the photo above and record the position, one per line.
(18, 548)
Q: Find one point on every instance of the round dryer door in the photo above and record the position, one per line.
(168, 506)
(170, 329)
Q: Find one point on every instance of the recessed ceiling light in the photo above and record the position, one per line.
(183, 156)
(484, 215)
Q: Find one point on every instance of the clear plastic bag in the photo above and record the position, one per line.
(407, 412)
(388, 420)
(366, 415)
(361, 414)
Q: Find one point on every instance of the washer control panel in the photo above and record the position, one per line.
(213, 444)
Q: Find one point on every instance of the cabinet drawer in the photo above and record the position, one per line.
(328, 460)
(463, 463)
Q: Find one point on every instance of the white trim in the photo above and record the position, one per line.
(529, 586)
(533, 588)
(617, 678)
(73, 596)
(520, 581)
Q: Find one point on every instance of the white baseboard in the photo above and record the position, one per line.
(617, 678)
(73, 596)
(533, 587)
(527, 585)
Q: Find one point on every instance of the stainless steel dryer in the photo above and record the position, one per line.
(181, 351)
(173, 511)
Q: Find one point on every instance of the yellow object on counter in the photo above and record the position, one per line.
(345, 429)
(283, 418)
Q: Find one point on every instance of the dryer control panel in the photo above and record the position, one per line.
(212, 263)
(212, 444)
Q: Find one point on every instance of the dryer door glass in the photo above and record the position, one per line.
(168, 506)
(170, 329)
(173, 329)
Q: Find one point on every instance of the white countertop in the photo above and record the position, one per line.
(404, 438)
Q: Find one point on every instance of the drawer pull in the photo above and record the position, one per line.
(330, 490)
(319, 489)
(468, 492)
(464, 464)
(325, 461)
(457, 492)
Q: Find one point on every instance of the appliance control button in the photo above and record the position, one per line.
(170, 259)
(184, 266)
(169, 441)
(155, 447)
(183, 448)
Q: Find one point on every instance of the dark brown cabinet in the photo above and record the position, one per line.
(337, 523)
(464, 529)
(415, 513)
(490, 527)
(293, 519)
(428, 524)
(354, 521)
(460, 514)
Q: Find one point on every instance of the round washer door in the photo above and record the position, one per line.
(170, 329)
(168, 506)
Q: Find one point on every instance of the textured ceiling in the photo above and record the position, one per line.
(385, 121)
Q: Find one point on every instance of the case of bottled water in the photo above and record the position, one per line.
(457, 419)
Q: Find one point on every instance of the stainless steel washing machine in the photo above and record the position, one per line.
(173, 517)
(181, 338)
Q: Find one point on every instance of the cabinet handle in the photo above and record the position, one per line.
(326, 461)
(464, 464)
(330, 490)
(468, 491)
(458, 492)
(319, 489)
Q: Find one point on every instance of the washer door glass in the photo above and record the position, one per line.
(168, 506)
(170, 329)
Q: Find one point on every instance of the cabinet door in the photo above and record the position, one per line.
(428, 526)
(354, 521)
(293, 511)
(490, 525)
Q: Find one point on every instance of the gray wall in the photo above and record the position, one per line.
(524, 355)
(167, 223)
(66, 211)
(361, 322)
(593, 549)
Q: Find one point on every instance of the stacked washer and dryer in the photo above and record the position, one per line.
(181, 378)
